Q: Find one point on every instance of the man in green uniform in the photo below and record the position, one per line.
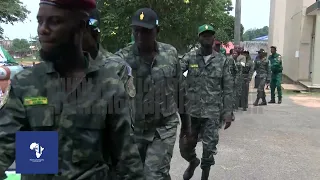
(247, 72)
(276, 77)
(262, 68)
(88, 134)
(210, 101)
(154, 65)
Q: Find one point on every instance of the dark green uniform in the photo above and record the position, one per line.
(276, 77)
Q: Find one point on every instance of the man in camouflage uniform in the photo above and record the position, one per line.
(77, 110)
(236, 71)
(247, 72)
(262, 68)
(276, 77)
(241, 59)
(91, 44)
(91, 37)
(154, 65)
(209, 93)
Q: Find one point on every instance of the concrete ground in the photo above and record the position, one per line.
(276, 142)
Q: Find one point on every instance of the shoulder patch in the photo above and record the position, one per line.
(130, 88)
(4, 98)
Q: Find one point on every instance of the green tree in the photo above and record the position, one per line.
(178, 19)
(255, 33)
(20, 46)
(12, 11)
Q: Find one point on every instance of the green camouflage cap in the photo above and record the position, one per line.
(205, 27)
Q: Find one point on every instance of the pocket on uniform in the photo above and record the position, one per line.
(89, 139)
(41, 117)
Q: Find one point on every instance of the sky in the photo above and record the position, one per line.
(254, 14)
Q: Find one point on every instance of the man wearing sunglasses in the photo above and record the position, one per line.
(91, 44)
(91, 38)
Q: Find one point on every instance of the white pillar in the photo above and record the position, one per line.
(316, 58)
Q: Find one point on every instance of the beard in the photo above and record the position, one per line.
(64, 56)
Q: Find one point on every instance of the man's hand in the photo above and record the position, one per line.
(228, 120)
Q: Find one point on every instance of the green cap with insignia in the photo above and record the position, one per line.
(205, 27)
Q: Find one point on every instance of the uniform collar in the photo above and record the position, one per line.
(93, 65)
(136, 49)
(213, 54)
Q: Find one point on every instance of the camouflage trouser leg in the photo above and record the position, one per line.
(262, 84)
(245, 94)
(210, 139)
(156, 155)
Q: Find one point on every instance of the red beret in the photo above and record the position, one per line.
(72, 4)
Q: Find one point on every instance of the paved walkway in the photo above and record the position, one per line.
(276, 142)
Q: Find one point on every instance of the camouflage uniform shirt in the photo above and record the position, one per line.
(155, 82)
(210, 85)
(263, 68)
(77, 111)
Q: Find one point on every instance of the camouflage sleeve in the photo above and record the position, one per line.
(124, 152)
(12, 119)
(269, 71)
(255, 65)
(185, 120)
(184, 62)
(227, 87)
(251, 71)
(237, 70)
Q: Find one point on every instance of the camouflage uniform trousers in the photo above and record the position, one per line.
(238, 93)
(245, 91)
(262, 84)
(156, 146)
(209, 128)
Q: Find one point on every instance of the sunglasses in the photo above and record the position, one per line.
(94, 24)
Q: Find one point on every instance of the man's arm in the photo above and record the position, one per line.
(251, 71)
(269, 71)
(12, 119)
(124, 152)
(227, 90)
(184, 62)
(182, 91)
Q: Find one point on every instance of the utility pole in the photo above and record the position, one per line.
(237, 23)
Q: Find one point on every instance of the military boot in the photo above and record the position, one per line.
(205, 173)
(279, 100)
(272, 101)
(264, 101)
(256, 102)
(188, 173)
(257, 99)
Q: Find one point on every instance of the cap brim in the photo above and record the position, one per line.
(143, 24)
(212, 31)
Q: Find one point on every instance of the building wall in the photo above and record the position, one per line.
(292, 32)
